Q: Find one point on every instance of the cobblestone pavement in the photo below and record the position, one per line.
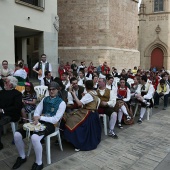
(139, 147)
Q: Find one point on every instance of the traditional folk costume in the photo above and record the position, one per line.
(123, 106)
(54, 107)
(108, 96)
(165, 94)
(82, 127)
(146, 92)
(21, 75)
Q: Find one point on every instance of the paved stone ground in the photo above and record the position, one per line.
(139, 147)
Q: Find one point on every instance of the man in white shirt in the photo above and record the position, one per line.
(53, 108)
(144, 94)
(41, 67)
(108, 101)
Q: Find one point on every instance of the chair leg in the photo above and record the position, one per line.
(13, 127)
(29, 149)
(48, 151)
(59, 140)
(105, 124)
(148, 113)
(136, 109)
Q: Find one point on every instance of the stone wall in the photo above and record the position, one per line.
(98, 30)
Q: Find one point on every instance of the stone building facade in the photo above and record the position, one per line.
(98, 31)
(27, 30)
(154, 33)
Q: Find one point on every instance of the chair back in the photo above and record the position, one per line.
(130, 81)
(41, 92)
(98, 103)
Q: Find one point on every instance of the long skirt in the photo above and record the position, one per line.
(83, 129)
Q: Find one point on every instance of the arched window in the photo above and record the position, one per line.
(158, 5)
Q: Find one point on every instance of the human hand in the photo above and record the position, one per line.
(36, 118)
(104, 104)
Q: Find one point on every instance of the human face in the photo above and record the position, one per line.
(7, 84)
(48, 76)
(81, 74)
(135, 80)
(64, 77)
(122, 83)
(101, 83)
(53, 92)
(5, 65)
(165, 77)
(27, 88)
(43, 58)
(95, 80)
(75, 84)
(110, 81)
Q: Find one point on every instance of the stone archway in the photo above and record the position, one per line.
(159, 49)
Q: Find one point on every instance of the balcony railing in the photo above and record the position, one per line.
(38, 4)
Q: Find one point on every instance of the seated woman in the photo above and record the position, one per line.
(123, 97)
(133, 89)
(29, 99)
(21, 75)
(82, 127)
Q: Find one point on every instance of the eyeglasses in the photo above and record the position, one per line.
(51, 89)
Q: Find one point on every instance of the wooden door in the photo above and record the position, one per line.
(157, 58)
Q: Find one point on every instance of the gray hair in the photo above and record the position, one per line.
(104, 79)
(13, 81)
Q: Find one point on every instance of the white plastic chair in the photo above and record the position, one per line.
(105, 118)
(48, 144)
(14, 126)
(130, 81)
(41, 91)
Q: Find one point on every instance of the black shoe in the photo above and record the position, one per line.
(1, 146)
(19, 162)
(35, 166)
(120, 126)
(113, 135)
(140, 121)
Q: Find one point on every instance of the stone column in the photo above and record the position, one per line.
(24, 50)
(48, 44)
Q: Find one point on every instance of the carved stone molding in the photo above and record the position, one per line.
(158, 29)
(156, 44)
(56, 23)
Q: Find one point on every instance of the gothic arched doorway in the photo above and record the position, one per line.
(157, 58)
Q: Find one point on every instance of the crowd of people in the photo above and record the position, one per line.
(76, 98)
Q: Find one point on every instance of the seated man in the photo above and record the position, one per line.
(47, 79)
(51, 105)
(162, 90)
(10, 103)
(144, 94)
(108, 101)
(79, 91)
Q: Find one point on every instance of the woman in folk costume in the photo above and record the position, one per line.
(21, 75)
(81, 78)
(82, 127)
(5, 71)
(122, 104)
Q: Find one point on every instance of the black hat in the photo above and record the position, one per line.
(54, 84)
